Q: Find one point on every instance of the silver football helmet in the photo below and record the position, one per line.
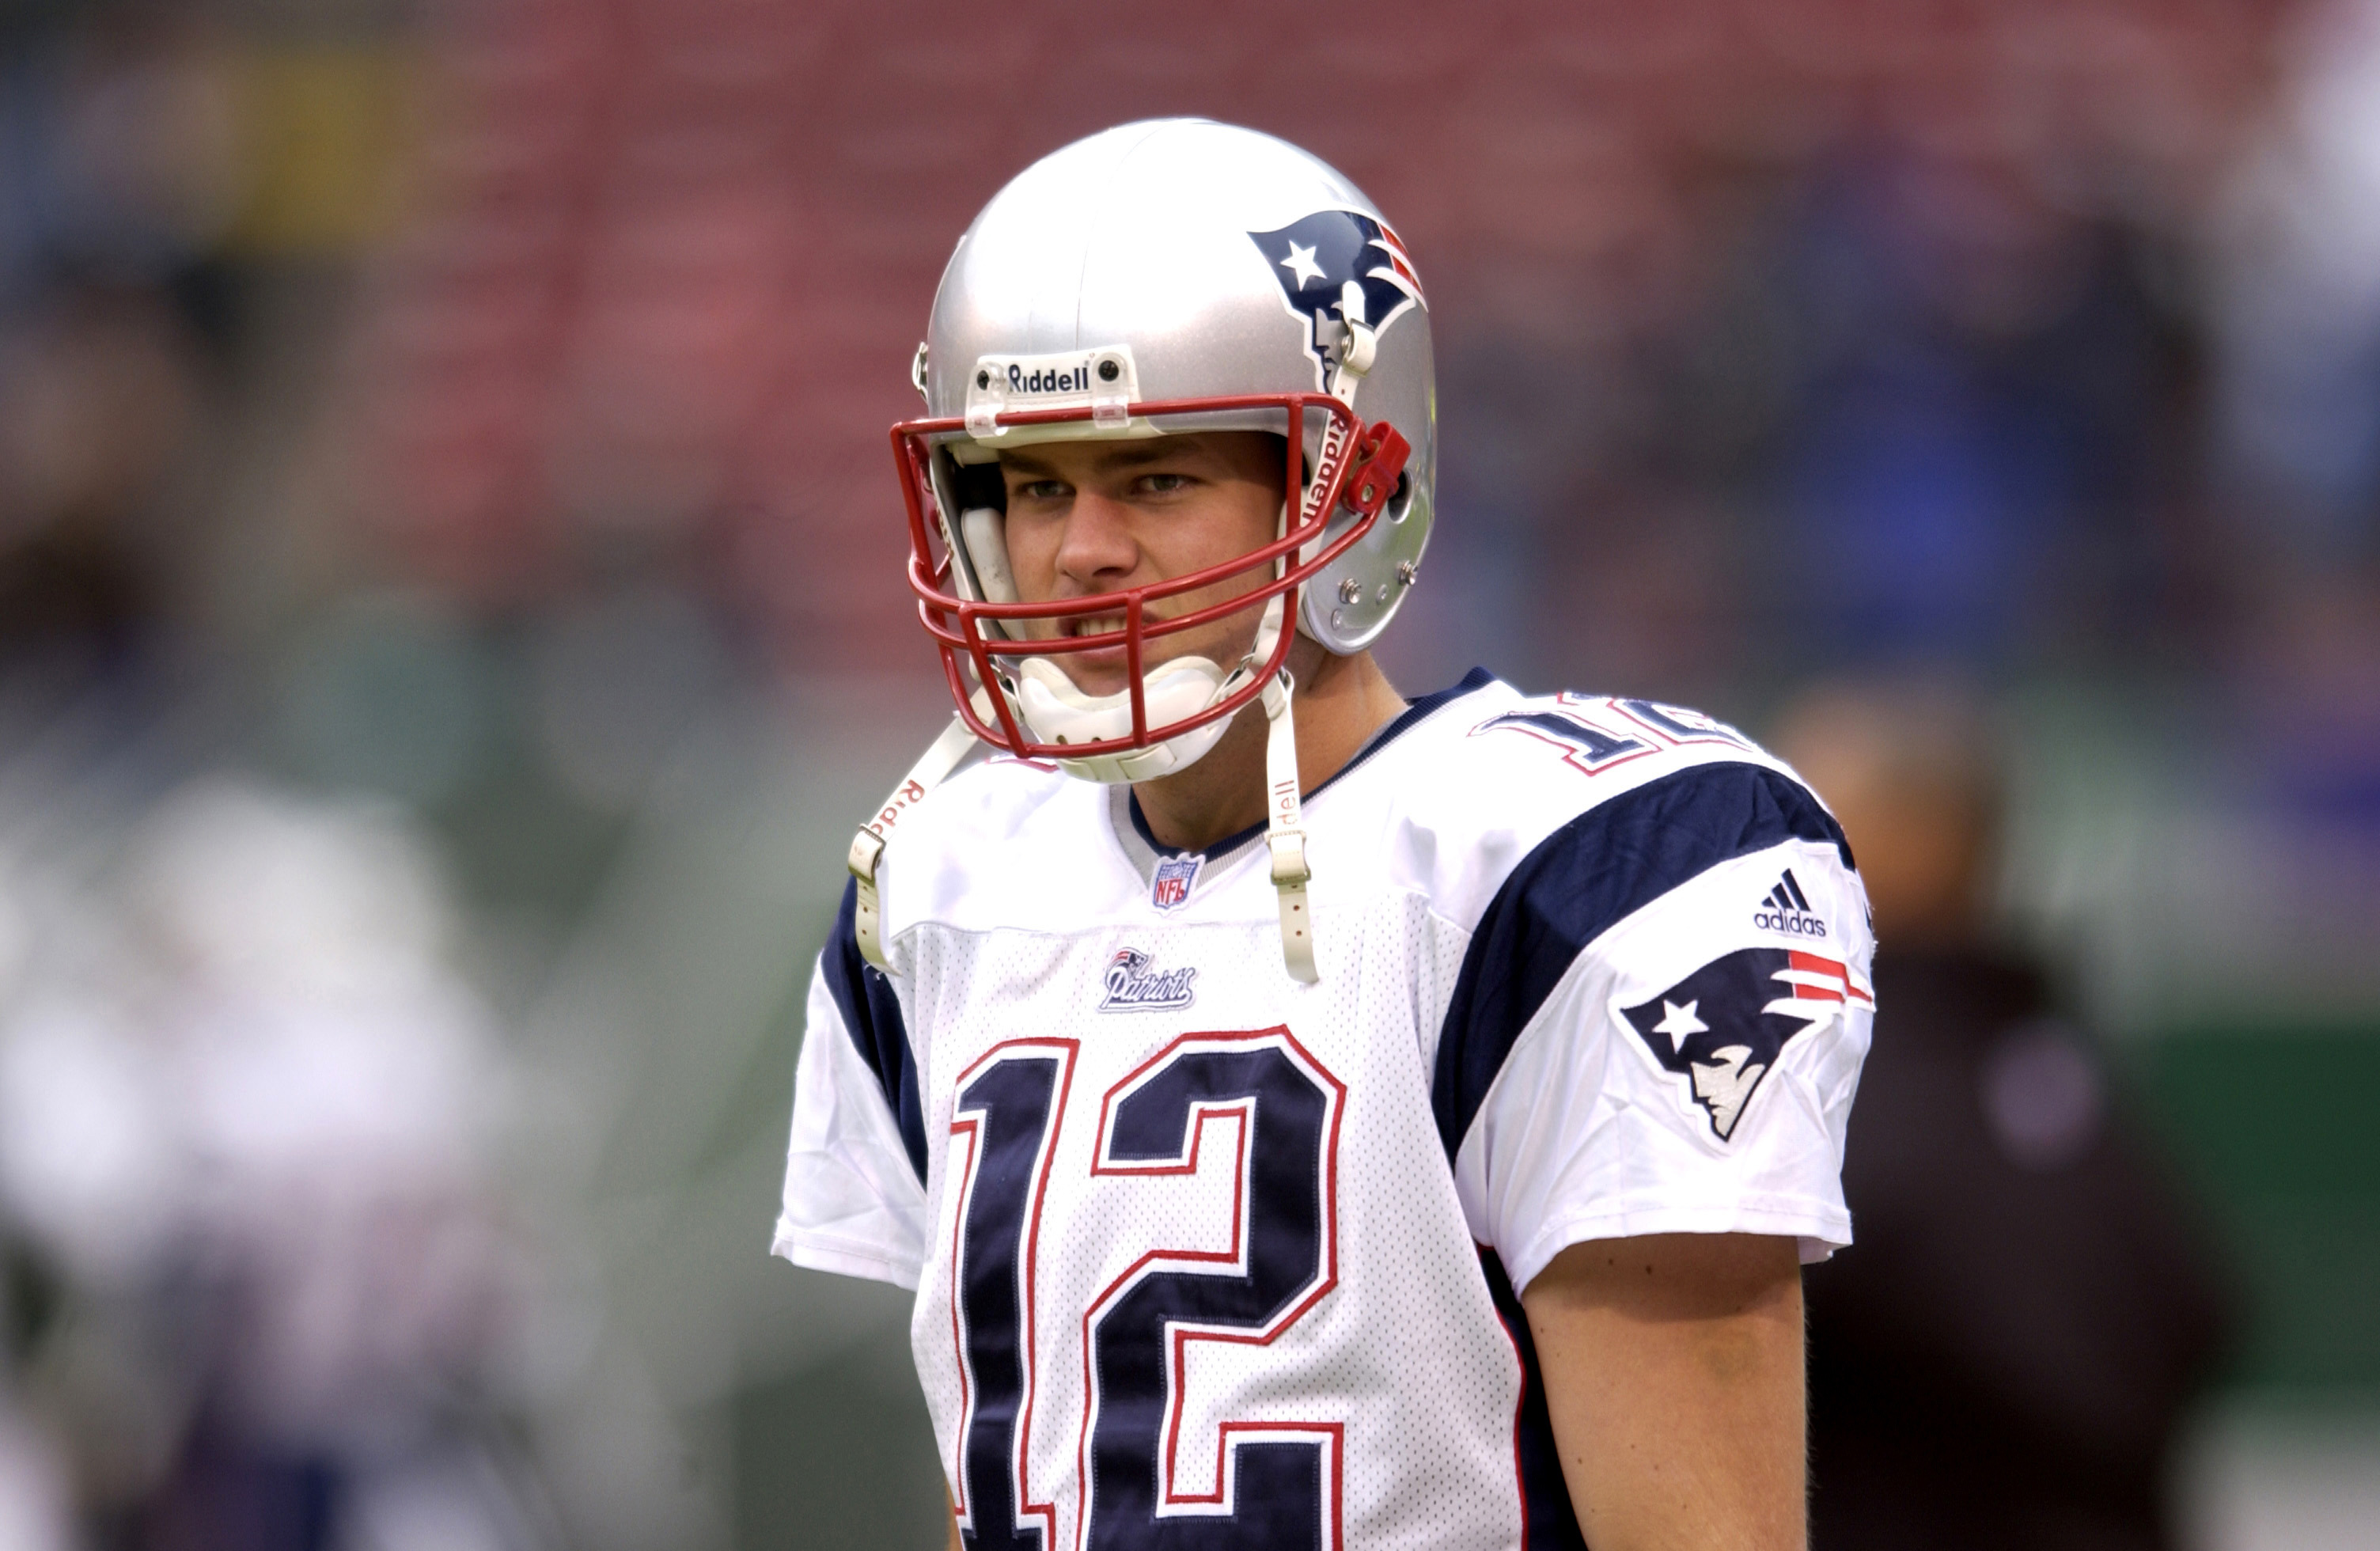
(1168, 276)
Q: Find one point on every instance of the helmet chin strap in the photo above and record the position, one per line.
(955, 747)
(1284, 827)
(1284, 835)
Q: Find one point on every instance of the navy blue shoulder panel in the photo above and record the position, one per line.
(872, 1014)
(1583, 879)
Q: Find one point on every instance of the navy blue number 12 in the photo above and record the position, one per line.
(1284, 1476)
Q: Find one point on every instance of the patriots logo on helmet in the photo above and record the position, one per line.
(1338, 267)
(1723, 1027)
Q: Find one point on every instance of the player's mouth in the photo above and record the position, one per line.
(1102, 670)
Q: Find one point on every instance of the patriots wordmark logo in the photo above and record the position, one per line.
(1336, 267)
(1132, 987)
(1171, 888)
(1722, 1026)
(1786, 909)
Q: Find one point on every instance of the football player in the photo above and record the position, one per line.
(1306, 1117)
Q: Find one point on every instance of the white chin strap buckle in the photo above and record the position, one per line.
(1283, 835)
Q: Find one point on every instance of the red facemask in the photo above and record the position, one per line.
(1357, 467)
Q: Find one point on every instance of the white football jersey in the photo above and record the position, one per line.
(1206, 1257)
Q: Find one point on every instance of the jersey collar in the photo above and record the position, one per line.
(1415, 712)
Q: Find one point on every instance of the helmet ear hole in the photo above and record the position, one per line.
(1399, 502)
(978, 485)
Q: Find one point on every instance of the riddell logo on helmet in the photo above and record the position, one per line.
(1102, 377)
(1326, 468)
(1046, 382)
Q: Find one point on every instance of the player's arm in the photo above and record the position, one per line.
(1652, 1148)
(1673, 1367)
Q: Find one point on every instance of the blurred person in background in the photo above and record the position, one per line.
(100, 388)
(247, 1121)
(259, 1280)
(2008, 1360)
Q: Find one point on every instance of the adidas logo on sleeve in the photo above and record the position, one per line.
(1787, 909)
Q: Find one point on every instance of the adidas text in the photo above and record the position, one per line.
(1786, 909)
(1792, 922)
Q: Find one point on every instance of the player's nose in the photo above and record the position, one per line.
(1096, 550)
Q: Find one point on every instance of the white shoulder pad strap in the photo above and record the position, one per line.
(941, 761)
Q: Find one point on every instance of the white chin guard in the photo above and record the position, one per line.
(1058, 713)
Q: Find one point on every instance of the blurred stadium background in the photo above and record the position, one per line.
(451, 615)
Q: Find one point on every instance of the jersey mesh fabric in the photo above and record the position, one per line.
(1403, 1352)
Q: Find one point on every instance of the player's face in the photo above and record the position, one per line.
(1087, 518)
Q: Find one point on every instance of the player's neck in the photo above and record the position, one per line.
(1340, 703)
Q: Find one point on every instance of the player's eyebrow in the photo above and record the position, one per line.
(1130, 454)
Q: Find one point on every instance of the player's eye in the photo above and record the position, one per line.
(1165, 484)
(1042, 489)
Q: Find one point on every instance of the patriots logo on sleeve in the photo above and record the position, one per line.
(1723, 1027)
(1335, 265)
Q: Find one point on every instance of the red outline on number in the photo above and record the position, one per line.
(1328, 1280)
(958, 1335)
(1030, 1231)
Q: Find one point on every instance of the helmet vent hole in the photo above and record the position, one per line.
(1400, 504)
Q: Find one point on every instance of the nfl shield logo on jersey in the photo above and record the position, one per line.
(1174, 877)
